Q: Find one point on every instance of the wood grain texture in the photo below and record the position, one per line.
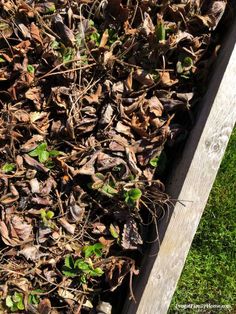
(191, 182)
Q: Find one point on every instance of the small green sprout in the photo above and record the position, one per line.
(187, 62)
(68, 54)
(154, 162)
(114, 230)
(33, 297)
(95, 37)
(43, 154)
(46, 216)
(55, 45)
(8, 167)
(15, 302)
(132, 196)
(160, 31)
(30, 69)
(184, 65)
(95, 249)
(51, 8)
(80, 268)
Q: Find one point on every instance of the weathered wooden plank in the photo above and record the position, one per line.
(191, 182)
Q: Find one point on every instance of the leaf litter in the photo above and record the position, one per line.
(92, 93)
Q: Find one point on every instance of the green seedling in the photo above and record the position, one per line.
(132, 196)
(43, 153)
(46, 216)
(68, 54)
(80, 268)
(8, 167)
(95, 37)
(51, 8)
(33, 297)
(95, 249)
(15, 302)
(160, 31)
(114, 230)
(104, 185)
(154, 162)
(55, 45)
(30, 69)
(184, 65)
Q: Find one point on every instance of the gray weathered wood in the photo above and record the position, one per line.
(191, 182)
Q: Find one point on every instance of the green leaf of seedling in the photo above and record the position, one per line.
(97, 249)
(68, 54)
(132, 196)
(43, 156)
(55, 153)
(88, 251)
(187, 62)
(33, 297)
(93, 249)
(83, 279)
(20, 305)
(109, 190)
(30, 69)
(82, 265)
(9, 302)
(18, 301)
(51, 9)
(69, 262)
(95, 37)
(112, 36)
(55, 44)
(49, 214)
(114, 232)
(69, 272)
(97, 272)
(100, 176)
(135, 194)
(154, 162)
(8, 167)
(43, 214)
(39, 149)
(2, 60)
(91, 23)
(160, 31)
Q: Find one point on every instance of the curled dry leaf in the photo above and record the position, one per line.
(131, 238)
(15, 231)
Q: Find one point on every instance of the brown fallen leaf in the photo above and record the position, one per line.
(130, 236)
(166, 79)
(31, 252)
(15, 231)
(63, 31)
(70, 228)
(35, 33)
(34, 163)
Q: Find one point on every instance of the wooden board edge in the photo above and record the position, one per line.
(191, 183)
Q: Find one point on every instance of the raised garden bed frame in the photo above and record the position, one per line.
(190, 183)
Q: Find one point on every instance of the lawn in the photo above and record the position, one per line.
(209, 272)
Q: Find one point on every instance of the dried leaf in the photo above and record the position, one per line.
(35, 33)
(66, 34)
(130, 236)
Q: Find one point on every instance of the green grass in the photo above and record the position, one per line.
(209, 275)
